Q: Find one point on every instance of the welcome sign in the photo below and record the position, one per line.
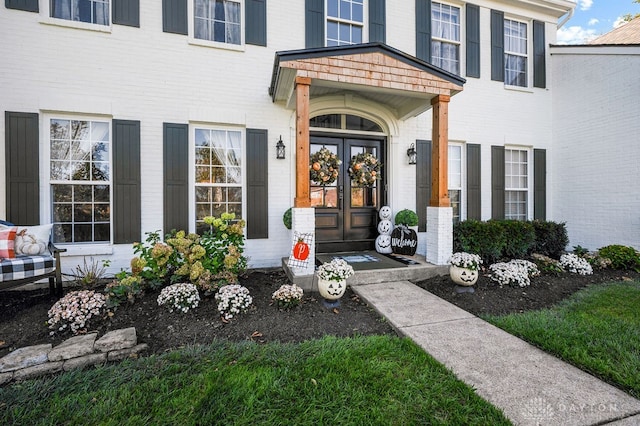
(404, 240)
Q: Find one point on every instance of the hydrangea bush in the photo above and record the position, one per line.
(288, 296)
(466, 260)
(575, 264)
(179, 297)
(233, 299)
(336, 270)
(516, 273)
(75, 310)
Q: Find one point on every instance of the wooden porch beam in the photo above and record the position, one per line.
(303, 197)
(439, 152)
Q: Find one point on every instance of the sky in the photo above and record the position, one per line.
(592, 18)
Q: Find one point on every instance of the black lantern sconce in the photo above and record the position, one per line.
(280, 149)
(412, 154)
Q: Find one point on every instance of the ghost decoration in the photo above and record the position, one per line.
(383, 244)
(385, 213)
(385, 227)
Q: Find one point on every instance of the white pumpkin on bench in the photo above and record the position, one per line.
(27, 255)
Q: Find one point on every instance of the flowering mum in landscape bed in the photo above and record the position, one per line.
(336, 270)
(233, 299)
(516, 273)
(577, 265)
(288, 296)
(180, 297)
(466, 260)
(75, 309)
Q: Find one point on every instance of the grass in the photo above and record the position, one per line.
(362, 380)
(597, 330)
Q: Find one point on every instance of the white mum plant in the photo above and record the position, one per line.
(179, 297)
(516, 273)
(233, 299)
(288, 295)
(462, 259)
(75, 309)
(575, 264)
(336, 270)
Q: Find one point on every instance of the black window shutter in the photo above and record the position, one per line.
(539, 60)
(473, 40)
(26, 5)
(423, 181)
(314, 23)
(256, 22)
(176, 176)
(126, 12)
(257, 184)
(497, 45)
(540, 184)
(423, 30)
(126, 181)
(497, 182)
(377, 21)
(22, 167)
(174, 16)
(474, 187)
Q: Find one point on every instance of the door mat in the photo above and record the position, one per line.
(402, 259)
(362, 260)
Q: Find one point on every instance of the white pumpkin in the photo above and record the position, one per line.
(383, 244)
(385, 227)
(385, 213)
(28, 244)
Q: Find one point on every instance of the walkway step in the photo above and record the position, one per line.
(529, 385)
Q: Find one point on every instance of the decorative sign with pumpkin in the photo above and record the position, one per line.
(404, 240)
(300, 250)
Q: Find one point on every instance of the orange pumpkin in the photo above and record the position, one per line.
(301, 250)
(316, 166)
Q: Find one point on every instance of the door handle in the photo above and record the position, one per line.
(340, 196)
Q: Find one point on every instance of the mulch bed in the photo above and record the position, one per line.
(23, 314)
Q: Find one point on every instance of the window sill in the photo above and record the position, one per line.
(518, 89)
(216, 44)
(75, 24)
(85, 249)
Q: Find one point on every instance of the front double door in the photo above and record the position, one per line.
(346, 213)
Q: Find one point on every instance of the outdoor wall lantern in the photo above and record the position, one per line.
(280, 149)
(412, 154)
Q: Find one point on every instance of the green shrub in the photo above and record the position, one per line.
(406, 217)
(286, 218)
(483, 238)
(520, 238)
(580, 251)
(621, 257)
(124, 289)
(551, 238)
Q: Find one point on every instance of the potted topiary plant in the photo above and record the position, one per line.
(286, 218)
(407, 218)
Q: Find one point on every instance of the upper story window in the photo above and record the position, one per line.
(217, 20)
(515, 53)
(345, 22)
(80, 180)
(445, 37)
(90, 11)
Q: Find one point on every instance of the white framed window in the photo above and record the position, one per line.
(80, 179)
(345, 22)
(515, 53)
(455, 180)
(445, 37)
(217, 173)
(89, 11)
(516, 182)
(218, 21)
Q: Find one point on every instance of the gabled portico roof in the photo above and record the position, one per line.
(375, 71)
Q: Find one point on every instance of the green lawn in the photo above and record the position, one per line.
(364, 380)
(598, 330)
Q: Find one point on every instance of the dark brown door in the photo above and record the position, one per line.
(346, 213)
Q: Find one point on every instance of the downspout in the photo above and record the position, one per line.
(568, 16)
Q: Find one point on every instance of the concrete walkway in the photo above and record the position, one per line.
(529, 385)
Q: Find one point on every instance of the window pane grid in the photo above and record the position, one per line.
(218, 174)
(345, 22)
(516, 183)
(455, 179)
(91, 11)
(217, 20)
(515, 57)
(445, 30)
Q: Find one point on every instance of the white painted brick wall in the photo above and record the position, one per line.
(155, 77)
(439, 235)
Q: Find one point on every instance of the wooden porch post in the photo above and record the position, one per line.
(439, 152)
(303, 198)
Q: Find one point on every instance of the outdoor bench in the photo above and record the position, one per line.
(25, 269)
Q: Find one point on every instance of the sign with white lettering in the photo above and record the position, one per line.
(404, 240)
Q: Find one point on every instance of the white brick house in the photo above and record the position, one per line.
(124, 117)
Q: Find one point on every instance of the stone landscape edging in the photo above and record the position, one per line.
(75, 352)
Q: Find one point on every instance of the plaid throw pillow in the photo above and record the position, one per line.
(7, 239)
